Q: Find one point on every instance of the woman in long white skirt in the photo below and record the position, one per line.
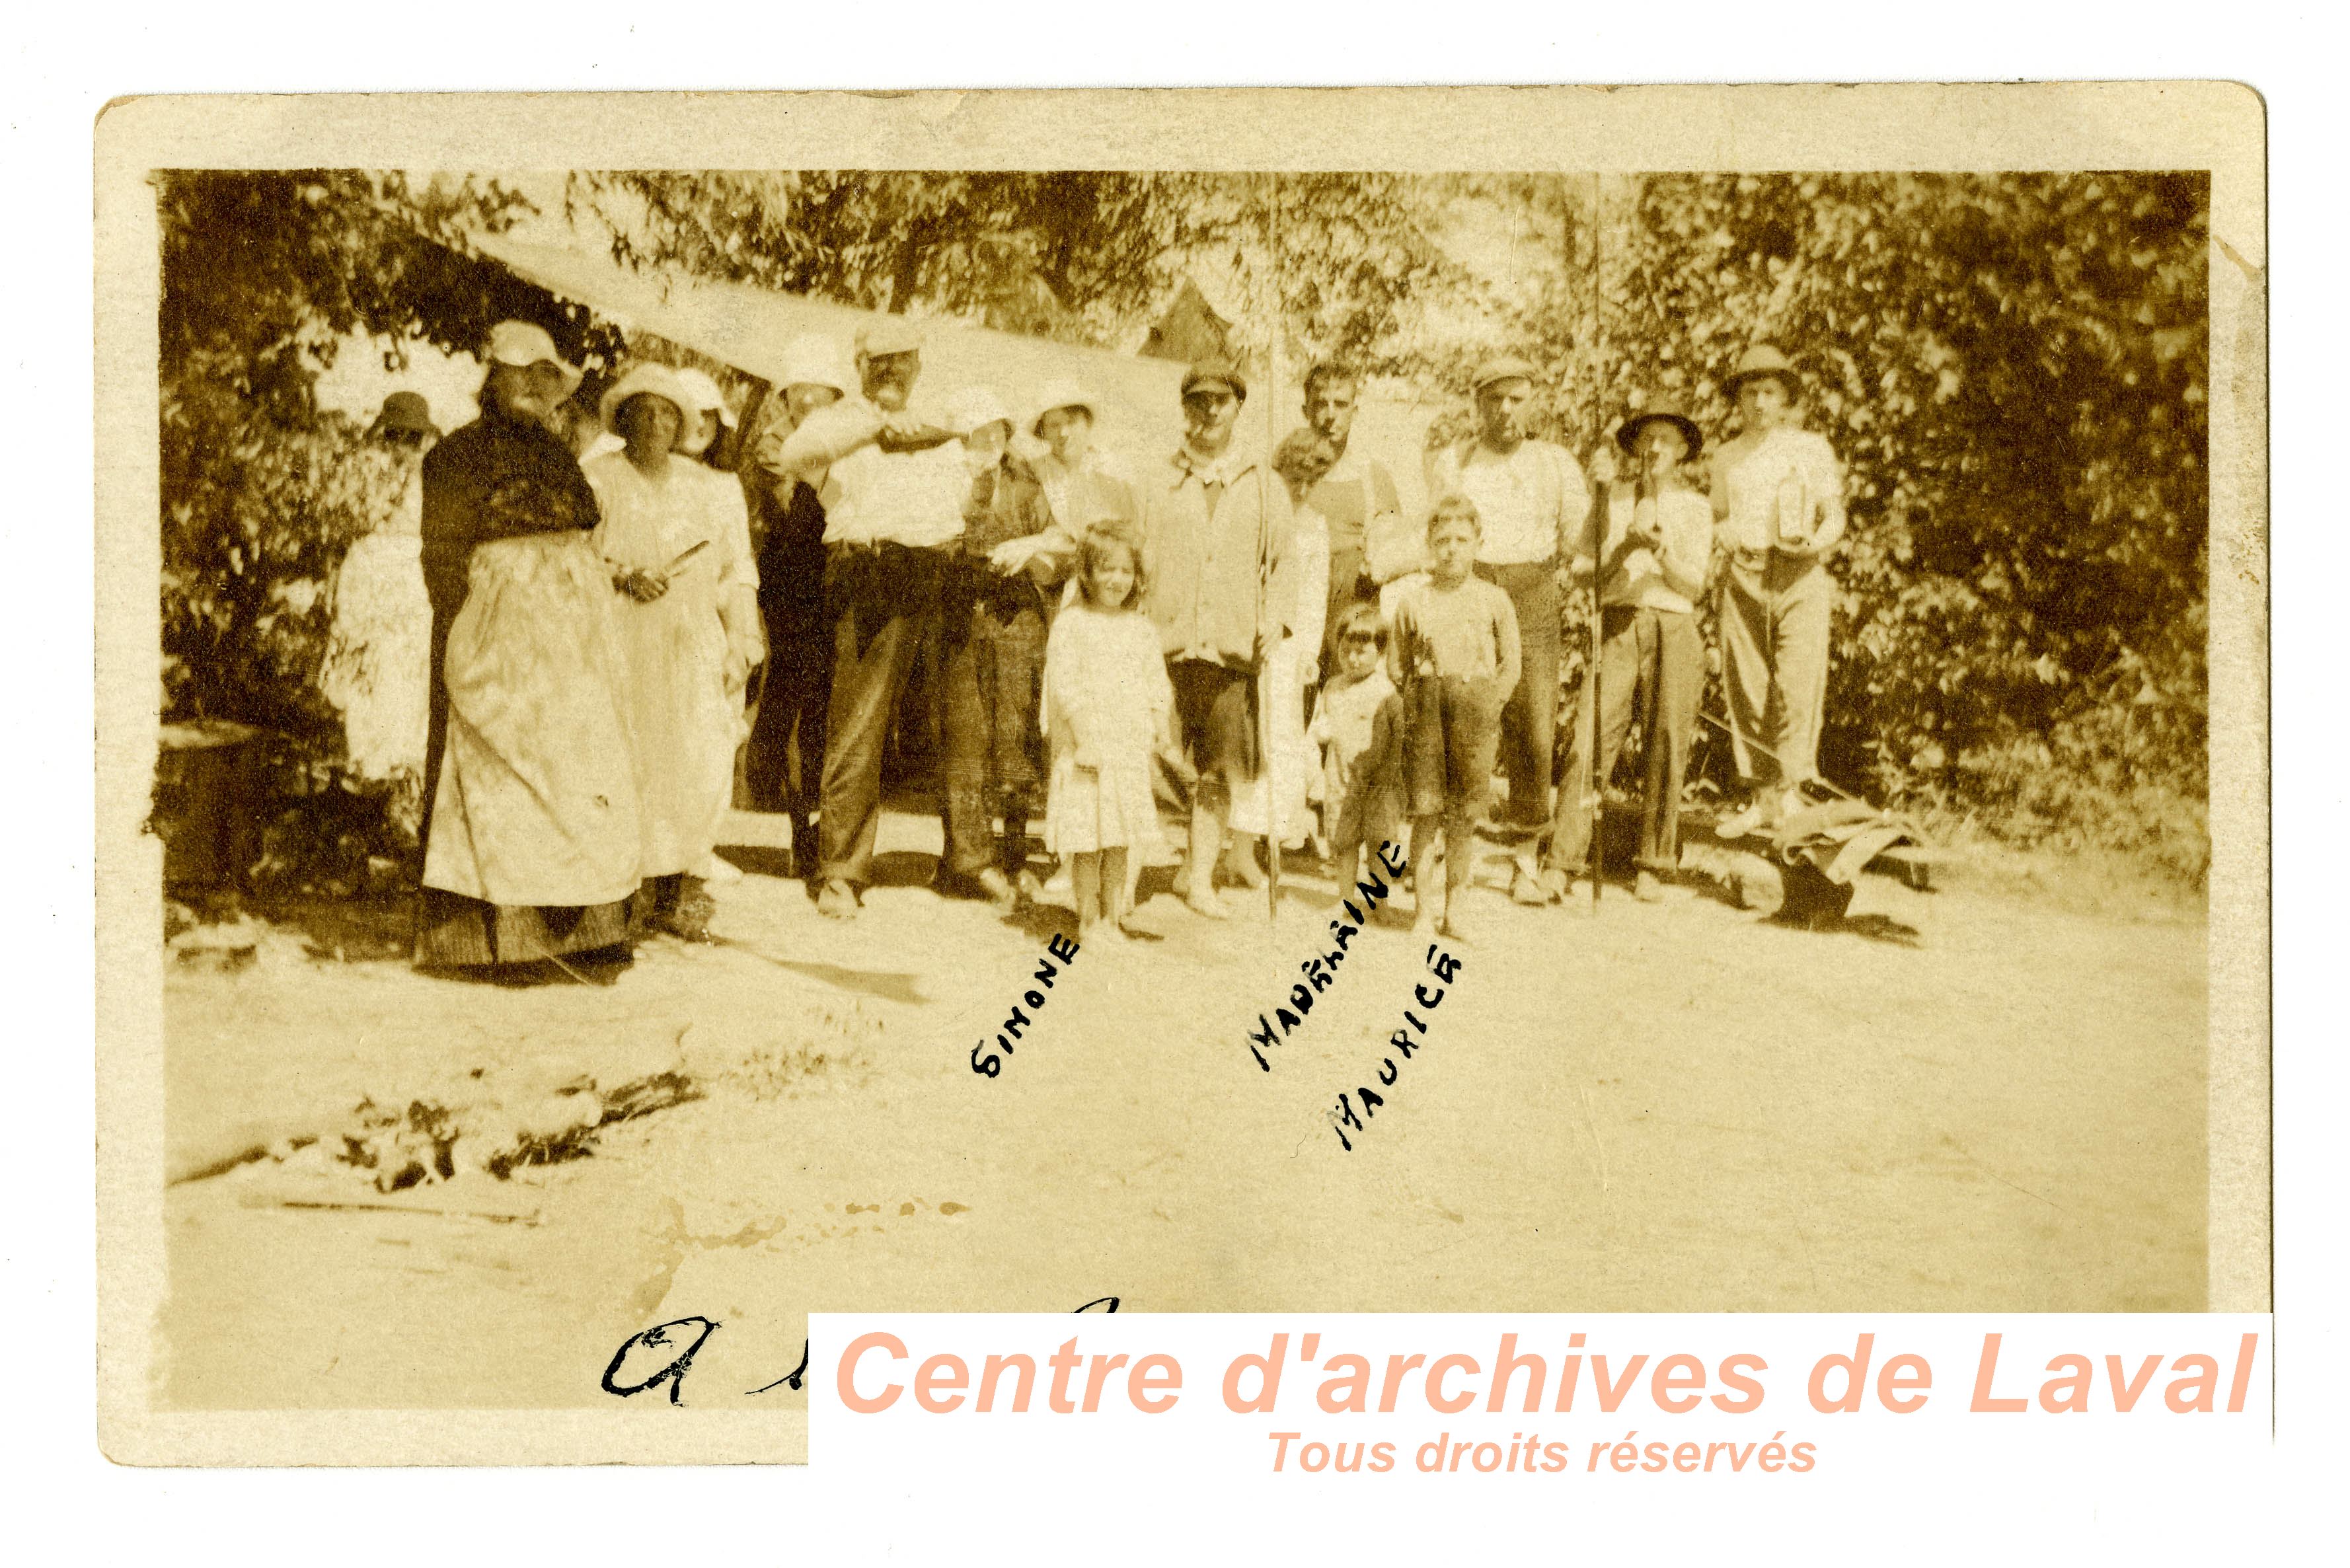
(533, 832)
(378, 668)
(677, 535)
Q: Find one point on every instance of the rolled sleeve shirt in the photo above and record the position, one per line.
(1530, 502)
(1209, 528)
(871, 496)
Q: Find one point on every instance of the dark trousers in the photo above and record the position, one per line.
(887, 599)
(992, 696)
(1529, 738)
(785, 766)
(1652, 667)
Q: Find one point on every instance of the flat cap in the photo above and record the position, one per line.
(1502, 367)
(889, 335)
(1216, 373)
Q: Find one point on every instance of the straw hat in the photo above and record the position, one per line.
(1061, 392)
(1762, 359)
(707, 398)
(813, 360)
(521, 344)
(1628, 434)
(646, 380)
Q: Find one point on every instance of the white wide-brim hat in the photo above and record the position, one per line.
(1061, 392)
(521, 344)
(648, 381)
(973, 407)
(814, 360)
(707, 398)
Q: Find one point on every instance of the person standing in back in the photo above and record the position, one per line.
(1778, 504)
(1659, 539)
(785, 767)
(894, 487)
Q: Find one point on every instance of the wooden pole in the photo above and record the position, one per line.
(1271, 395)
(1595, 782)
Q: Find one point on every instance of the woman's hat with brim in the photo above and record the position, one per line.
(1628, 434)
(1762, 360)
(976, 408)
(1061, 393)
(521, 344)
(405, 411)
(646, 381)
(707, 398)
(813, 360)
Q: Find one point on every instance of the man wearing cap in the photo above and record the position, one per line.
(1356, 497)
(785, 766)
(892, 488)
(1216, 529)
(1533, 499)
(1652, 566)
(511, 453)
(1778, 503)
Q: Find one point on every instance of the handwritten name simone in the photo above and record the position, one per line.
(1065, 948)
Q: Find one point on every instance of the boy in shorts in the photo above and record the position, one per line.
(1454, 657)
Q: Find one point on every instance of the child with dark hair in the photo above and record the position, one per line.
(1107, 705)
(1454, 655)
(1358, 723)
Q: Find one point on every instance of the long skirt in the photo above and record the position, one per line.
(378, 662)
(683, 726)
(534, 816)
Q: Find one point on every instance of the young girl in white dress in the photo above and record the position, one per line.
(1107, 705)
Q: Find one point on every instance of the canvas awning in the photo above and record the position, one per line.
(748, 326)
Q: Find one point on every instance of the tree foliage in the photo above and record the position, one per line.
(2013, 366)
(263, 274)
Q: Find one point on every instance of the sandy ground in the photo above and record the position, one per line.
(1955, 1101)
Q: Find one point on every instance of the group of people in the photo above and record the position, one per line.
(1216, 639)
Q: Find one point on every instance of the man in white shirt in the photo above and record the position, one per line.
(1778, 501)
(1532, 498)
(1658, 541)
(892, 486)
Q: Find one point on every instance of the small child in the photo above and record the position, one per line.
(1358, 723)
(1107, 705)
(1454, 657)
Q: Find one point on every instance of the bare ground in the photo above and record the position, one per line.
(1964, 1100)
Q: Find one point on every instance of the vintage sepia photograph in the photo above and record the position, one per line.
(727, 742)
